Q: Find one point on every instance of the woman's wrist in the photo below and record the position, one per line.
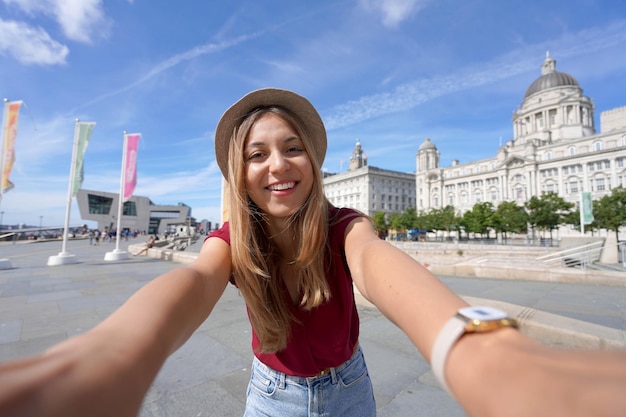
(486, 365)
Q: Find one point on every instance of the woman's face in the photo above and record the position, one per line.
(279, 173)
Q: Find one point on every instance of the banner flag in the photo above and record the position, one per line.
(130, 168)
(586, 208)
(83, 133)
(9, 132)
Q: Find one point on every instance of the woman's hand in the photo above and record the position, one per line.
(108, 370)
(87, 375)
(505, 373)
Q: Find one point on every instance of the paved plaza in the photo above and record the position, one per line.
(41, 305)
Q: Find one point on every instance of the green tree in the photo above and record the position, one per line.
(548, 211)
(446, 219)
(480, 219)
(394, 221)
(610, 211)
(380, 223)
(408, 219)
(510, 218)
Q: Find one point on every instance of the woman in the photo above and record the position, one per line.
(294, 258)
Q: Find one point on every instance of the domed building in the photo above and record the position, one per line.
(555, 147)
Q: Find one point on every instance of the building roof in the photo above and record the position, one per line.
(427, 144)
(550, 78)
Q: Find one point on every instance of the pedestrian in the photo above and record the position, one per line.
(149, 245)
(91, 236)
(295, 258)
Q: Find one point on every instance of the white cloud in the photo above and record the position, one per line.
(80, 20)
(394, 12)
(30, 45)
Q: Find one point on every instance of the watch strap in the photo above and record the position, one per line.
(447, 337)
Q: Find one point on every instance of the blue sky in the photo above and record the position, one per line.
(388, 73)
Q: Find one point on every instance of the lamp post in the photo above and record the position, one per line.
(1, 216)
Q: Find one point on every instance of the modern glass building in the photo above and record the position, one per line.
(138, 213)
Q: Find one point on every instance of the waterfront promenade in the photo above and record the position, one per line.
(41, 305)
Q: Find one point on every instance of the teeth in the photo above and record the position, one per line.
(280, 187)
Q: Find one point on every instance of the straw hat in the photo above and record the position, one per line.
(296, 104)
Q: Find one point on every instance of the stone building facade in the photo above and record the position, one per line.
(370, 189)
(555, 147)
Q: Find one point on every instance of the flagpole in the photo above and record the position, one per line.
(5, 127)
(582, 214)
(118, 254)
(67, 258)
(4, 263)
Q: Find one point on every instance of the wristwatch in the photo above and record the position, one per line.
(466, 320)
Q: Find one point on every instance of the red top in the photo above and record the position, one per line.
(324, 337)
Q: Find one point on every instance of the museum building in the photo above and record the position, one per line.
(138, 213)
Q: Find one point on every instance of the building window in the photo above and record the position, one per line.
(548, 155)
(129, 209)
(494, 194)
(539, 121)
(571, 151)
(552, 116)
(600, 184)
(99, 204)
(597, 145)
(573, 187)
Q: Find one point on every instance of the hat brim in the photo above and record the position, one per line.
(295, 103)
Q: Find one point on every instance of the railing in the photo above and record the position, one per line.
(579, 256)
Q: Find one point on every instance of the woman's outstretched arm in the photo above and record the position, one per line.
(108, 370)
(499, 373)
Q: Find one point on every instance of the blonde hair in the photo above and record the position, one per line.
(255, 259)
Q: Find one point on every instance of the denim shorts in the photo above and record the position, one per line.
(345, 391)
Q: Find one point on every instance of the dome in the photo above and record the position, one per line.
(427, 144)
(550, 78)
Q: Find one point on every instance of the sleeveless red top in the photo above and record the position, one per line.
(325, 336)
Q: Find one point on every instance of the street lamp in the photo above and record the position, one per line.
(40, 222)
(1, 216)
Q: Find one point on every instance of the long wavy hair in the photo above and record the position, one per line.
(255, 259)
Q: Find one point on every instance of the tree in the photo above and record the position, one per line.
(408, 219)
(380, 224)
(548, 211)
(510, 218)
(480, 218)
(610, 211)
(394, 221)
(449, 220)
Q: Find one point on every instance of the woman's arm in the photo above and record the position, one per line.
(107, 370)
(500, 373)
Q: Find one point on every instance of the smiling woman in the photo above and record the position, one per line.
(296, 260)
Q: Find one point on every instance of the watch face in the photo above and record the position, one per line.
(483, 313)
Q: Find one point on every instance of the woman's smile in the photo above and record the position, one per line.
(279, 173)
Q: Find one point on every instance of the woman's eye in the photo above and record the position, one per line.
(295, 149)
(255, 155)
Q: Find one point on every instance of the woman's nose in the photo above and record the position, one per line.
(278, 162)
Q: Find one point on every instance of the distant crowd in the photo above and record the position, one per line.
(96, 236)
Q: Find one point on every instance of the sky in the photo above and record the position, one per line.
(387, 73)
